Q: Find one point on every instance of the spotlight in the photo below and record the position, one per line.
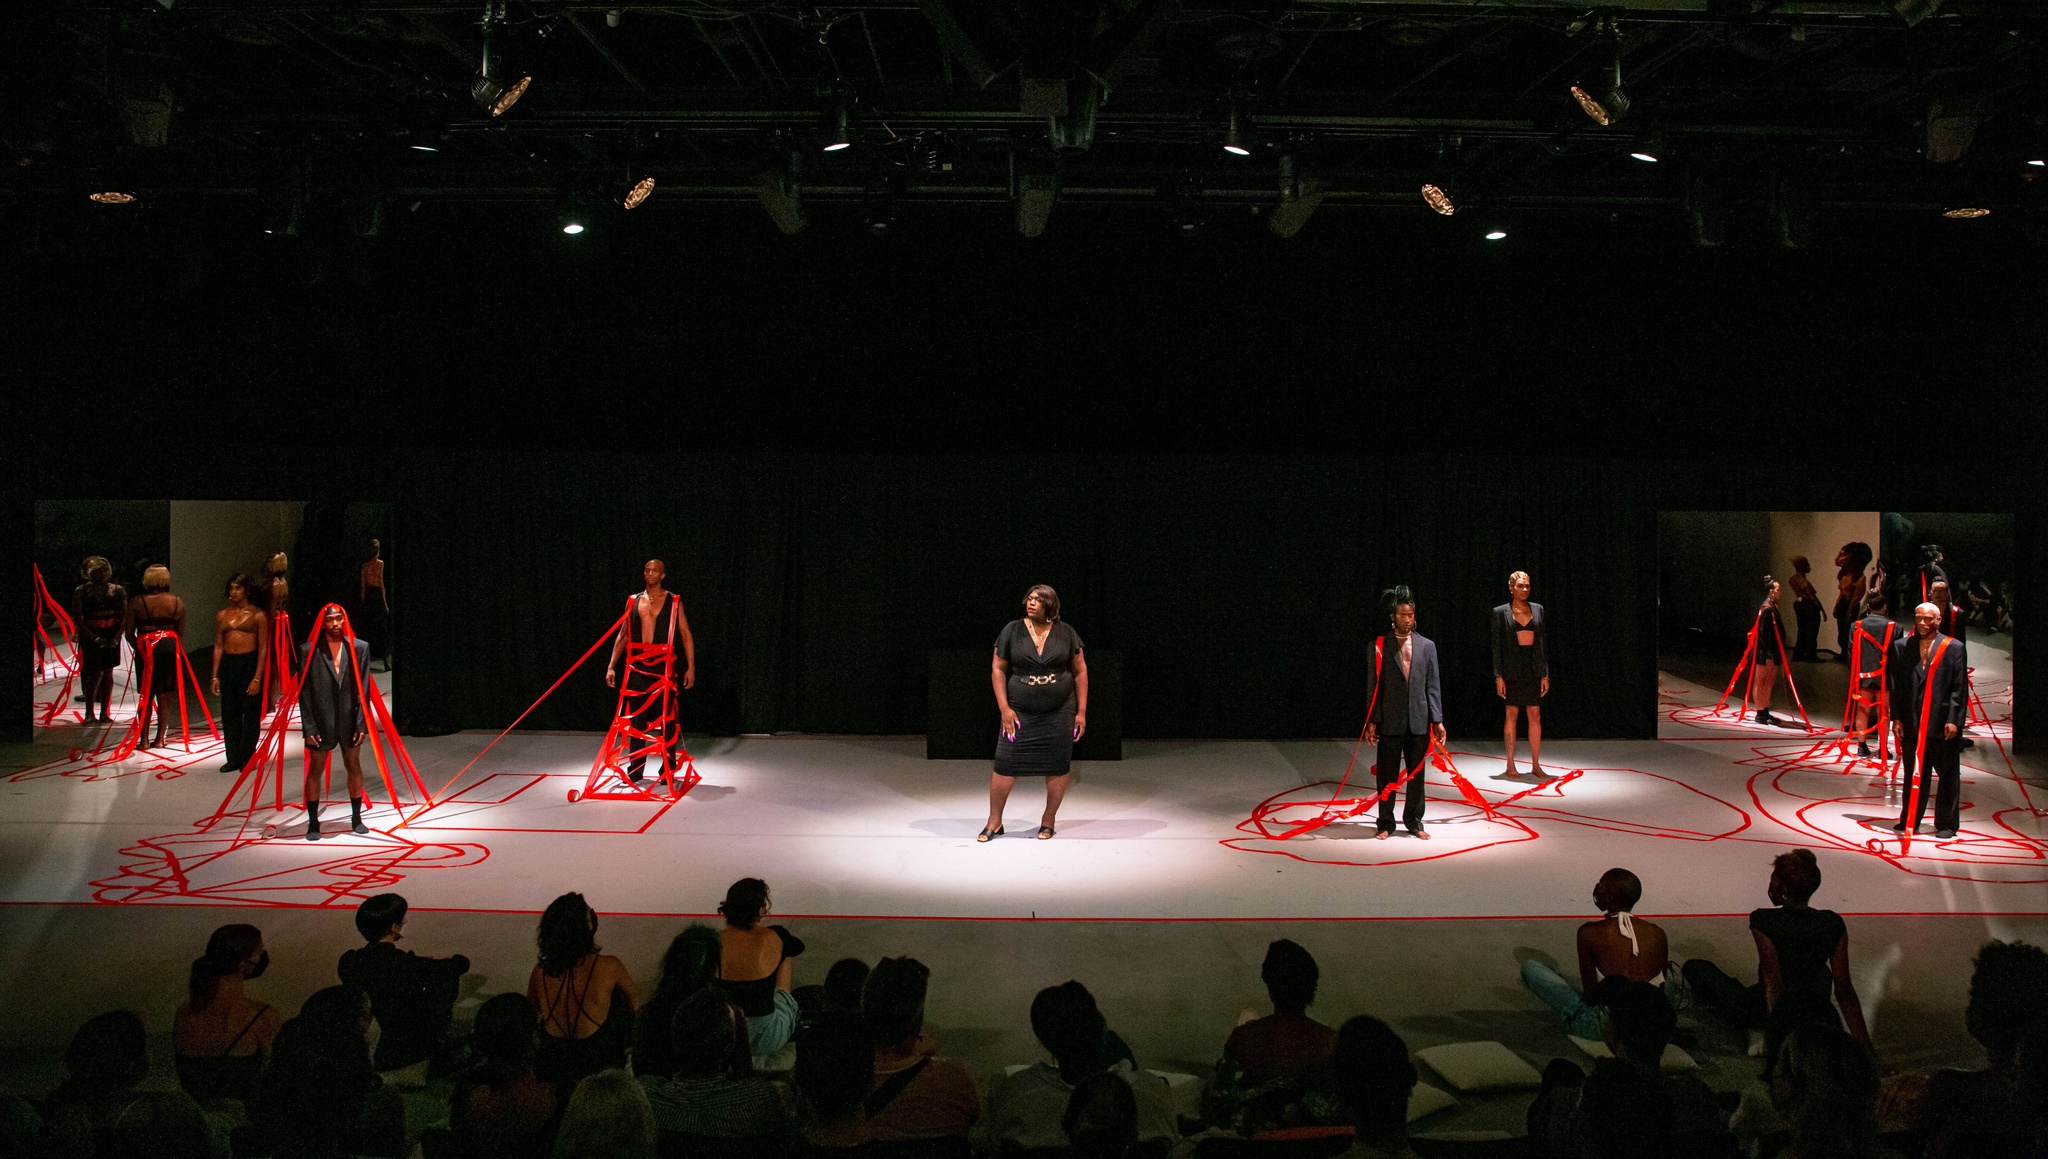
(879, 210)
(1966, 212)
(1643, 155)
(2039, 163)
(835, 123)
(111, 197)
(1074, 130)
(1603, 98)
(498, 86)
(1301, 191)
(1496, 234)
(1237, 135)
(571, 226)
(428, 148)
(1437, 198)
(782, 195)
(636, 193)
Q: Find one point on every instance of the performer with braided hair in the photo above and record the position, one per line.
(1406, 693)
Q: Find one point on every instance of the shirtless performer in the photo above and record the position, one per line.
(657, 619)
(1618, 945)
(241, 634)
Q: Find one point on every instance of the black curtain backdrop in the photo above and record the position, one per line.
(1244, 591)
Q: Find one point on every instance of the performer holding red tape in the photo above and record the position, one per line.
(1929, 684)
(1407, 713)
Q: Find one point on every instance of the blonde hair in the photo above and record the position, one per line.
(156, 578)
(276, 564)
(97, 570)
(1518, 575)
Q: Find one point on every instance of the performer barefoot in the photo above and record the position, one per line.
(1871, 645)
(1521, 668)
(374, 598)
(156, 611)
(331, 715)
(1763, 664)
(1929, 682)
(100, 609)
(657, 622)
(240, 634)
(1041, 682)
(1407, 713)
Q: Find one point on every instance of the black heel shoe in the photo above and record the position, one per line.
(987, 835)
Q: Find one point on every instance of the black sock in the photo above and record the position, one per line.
(312, 812)
(355, 808)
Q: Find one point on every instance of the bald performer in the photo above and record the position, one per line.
(1927, 670)
(655, 617)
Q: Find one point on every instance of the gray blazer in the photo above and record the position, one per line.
(1425, 701)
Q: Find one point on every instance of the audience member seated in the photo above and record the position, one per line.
(1286, 1043)
(1372, 1075)
(755, 966)
(1638, 1026)
(1623, 1112)
(163, 1125)
(1101, 1119)
(1619, 945)
(840, 990)
(314, 1101)
(713, 1092)
(107, 1059)
(607, 1118)
(500, 1108)
(1802, 964)
(1970, 1113)
(1824, 1084)
(584, 998)
(835, 1069)
(220, 1035)
(1026, 1109)
(690, 965)
(915, 1094)
(412, 998)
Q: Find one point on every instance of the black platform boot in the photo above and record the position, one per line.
(312, 820)
(355, 816)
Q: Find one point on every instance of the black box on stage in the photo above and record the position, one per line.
(960, 714)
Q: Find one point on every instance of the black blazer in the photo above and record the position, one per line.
(1504, 629)
(329, 705)
(1909, 682)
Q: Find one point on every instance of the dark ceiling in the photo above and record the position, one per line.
(1900, 108)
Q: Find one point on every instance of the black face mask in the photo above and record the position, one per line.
(262, 964)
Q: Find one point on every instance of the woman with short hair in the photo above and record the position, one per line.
(1765, 656)
(1041, 684)
(240, 632)
(1521, 668)
(161, 613)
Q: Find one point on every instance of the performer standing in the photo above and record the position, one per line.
(1407, 713)
(1041, 684)
(656, 620)
(1850, 589)
(1765, 656)
(1521, 668)
(240, 634)
(375, 601)
(160, 612)
(331, 714)
(1867, 675)
(1928, 681)
(100, 608)
(1805, 610)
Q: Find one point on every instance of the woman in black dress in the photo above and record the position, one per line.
(100, 608)
(1521, 667)
(1763, 666)
(1041, 683)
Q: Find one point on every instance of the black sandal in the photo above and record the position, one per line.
(1045, 832)
(988, 834)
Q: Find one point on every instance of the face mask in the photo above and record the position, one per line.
(262, 964)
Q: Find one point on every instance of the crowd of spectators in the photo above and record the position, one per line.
(576, 1067)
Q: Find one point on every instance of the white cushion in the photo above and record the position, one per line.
(1183, 1093)
(1426, 1100)
(1674, 1060)
(1481, 1066)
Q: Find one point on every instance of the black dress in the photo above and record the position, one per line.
(1521, 667)
(101, 608)
(1041, 693)
(1805, 940)
(162, 663)
(1769, 636)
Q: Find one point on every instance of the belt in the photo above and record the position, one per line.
(1053, 678)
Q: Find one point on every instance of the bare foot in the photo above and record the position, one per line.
(1382, 835)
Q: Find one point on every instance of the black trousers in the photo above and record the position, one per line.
(241, 711)
(645, 711)
(1398, 753)
(1941, 778)
(1808, 645)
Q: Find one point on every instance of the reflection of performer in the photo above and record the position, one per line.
(99, 607)
(1931, 571)
(331, 715)
(654, 625)
(1928, 682)
(375, 601)
(1041, 683)
(1521, 667)
(1765, 656)
(1805, 610)
(1408, 712)
(277, 603)
(1850, 589)
(160, 613)
(1872, 640)
(241, 661)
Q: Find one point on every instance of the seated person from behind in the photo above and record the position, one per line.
(1101, 1119)
(690, 965)
(500, 1107)
(755, 966)
(1286, 1043)
(1373, 1076)
(835, 1069)
(914, 1094)
(1980, 1112)
(1639, 1026)
(105, 1063)
(411, 997)
(1619, 945)
(713, 1091)
(1025, 1109)
(221, 1036)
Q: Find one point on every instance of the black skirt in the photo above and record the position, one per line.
(1524, 691)
(1044, 746)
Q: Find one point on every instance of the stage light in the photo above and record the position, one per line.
(2039, 163)
(572, 227)
(1437, 198)
(782, 195)
(1602, 98)
(427, 148)
(1966, 212)
(879, 210)
(1643, 155)
(498, 86)
(835, 123)
(1074, 130)
(1300, 193)
(636, 193)
(1496, 234)
(1035, 189)
(111, 197)
(1237, 134)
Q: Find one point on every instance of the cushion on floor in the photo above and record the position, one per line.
(1674, 1060)
(1426, 1100)
(1481, 1066)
